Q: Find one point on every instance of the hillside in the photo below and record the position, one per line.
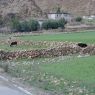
(22, 8)
(77, 7)
(35, 8)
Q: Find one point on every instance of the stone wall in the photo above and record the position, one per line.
(62, 50)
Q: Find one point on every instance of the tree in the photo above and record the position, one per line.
(33, 25)
(15, 24)
(61, 23)
(1, 21)
(78, 19)
(24, 26)
(50, 24)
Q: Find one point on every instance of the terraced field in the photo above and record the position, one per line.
(64, 75)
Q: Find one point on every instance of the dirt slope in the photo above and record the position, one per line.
(77, 7)
(35, 8)
(24, 8)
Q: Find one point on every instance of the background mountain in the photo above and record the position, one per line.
(36, 8)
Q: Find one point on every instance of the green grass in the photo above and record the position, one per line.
(81, 69)
(51, 71)
(87, 37)
(7, 47)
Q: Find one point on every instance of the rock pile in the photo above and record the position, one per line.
(61, 50)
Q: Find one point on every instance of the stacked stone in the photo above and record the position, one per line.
(61, 50)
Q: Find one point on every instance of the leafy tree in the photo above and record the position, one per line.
(50, 24)
(33, 25)
(1, 21)
(15, 24)
(61, 23)
(78, 19)
(24, 26)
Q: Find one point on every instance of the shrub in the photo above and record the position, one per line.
(15, 24)
(1, 21)
(33, 25)
(54, 24)
(78, 19)
(50, 24)
(24, 27)
(61, 23)
(45, 25)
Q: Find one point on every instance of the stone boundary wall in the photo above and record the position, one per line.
(52, 52)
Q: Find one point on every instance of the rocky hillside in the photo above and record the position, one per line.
(77, 7)
(35, 8)
(22, 8)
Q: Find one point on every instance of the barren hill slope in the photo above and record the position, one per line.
(24, 8)
(35, 8)
(78, 7)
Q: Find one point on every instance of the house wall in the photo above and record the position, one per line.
(59, 16)
(52, 16)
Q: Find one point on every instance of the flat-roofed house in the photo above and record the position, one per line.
(56, 16)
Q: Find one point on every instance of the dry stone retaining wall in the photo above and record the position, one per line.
(62, 50)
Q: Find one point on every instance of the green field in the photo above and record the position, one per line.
(58, 74)
(66, 74)
(87, 37)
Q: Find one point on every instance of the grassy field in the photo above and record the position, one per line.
(6, 47)
(67, 74)
(83, 36)
(59, 74)
(87, 37)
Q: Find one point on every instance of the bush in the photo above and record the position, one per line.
(1, 21)
(61, 23)
(45, 25)
(25, 26)
(33, 25)
(50, 24)
(15, 25)
(54, 24)
(78, 19)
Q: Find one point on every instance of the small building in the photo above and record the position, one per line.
(89, 17)
(56, 16)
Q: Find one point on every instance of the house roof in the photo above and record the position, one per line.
(59, 13)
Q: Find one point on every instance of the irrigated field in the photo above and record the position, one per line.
(65, 75)
(61, 75)
(87, 37)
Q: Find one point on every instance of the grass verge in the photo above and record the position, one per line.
(59, 75)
